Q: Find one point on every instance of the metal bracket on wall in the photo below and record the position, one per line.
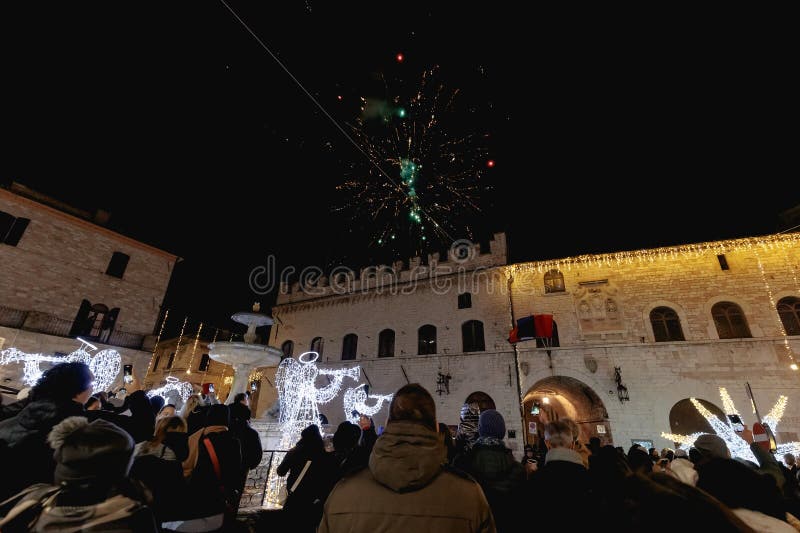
(404, 374)
(366, 377)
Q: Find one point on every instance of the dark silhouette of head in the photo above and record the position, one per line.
(413, 403)
(62, 382)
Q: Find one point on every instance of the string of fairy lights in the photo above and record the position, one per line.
(194, 348)
(782, 241)
(786, 348)
(155, 347)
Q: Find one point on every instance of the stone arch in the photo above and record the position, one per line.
(483, 400)
(558, 397)
(685, 419)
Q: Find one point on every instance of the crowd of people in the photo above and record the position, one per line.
(77, 462)
(73, 461)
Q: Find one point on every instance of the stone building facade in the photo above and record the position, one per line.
(654, 326)
(174, 357)
(65, 276)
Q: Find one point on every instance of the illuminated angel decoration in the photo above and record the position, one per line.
(298, 393)
(105, 364)
(183, 389)
(356, 400)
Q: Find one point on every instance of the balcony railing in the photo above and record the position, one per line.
(52, 325)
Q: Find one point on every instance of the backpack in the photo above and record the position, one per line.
(34, 509)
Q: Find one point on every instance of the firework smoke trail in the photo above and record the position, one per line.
(435, 194)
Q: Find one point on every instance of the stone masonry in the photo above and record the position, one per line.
(602, 316)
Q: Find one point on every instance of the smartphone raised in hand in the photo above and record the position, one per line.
(736, 423)
(127, 374)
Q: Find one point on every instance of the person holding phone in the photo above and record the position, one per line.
(127, 374)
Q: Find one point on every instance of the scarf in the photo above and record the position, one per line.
(194, 447)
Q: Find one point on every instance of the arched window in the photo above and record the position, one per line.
(349, 347)
(427, 340)
(553, 281)
(386, 343)
(155, 364)
(287, 348)
(789, 311)
(171, 360)
(472, 336)
(666, 325)
(543, 342)
(730, 321)
(316, 345)
(203, 366)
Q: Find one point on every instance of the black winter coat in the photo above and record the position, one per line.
(25, 456)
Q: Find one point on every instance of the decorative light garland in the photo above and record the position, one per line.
(787, 349)
(194, 349)
(178, 347)
(227, 380)
(355, 400)
(104, 365)
(779, 240)
(183, 389)
(736, 444)
(155, 347)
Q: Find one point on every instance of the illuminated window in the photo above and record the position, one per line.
(789, 311)
(553, 281)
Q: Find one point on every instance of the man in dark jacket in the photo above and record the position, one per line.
(249, 439)
(562, 485)
(501, 477)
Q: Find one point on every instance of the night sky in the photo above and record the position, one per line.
(604, 137)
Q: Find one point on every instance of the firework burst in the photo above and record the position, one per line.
(420, 185)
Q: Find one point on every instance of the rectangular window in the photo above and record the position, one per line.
(12, 228)
(171, 360)
(464, 300)
(723, 262)
(203, 363)
(118, 264)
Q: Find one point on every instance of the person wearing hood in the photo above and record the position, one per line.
(407, 484)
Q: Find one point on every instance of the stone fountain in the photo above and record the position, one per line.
(245, 356)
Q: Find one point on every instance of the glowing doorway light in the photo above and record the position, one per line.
(356, 400)
(105, 364)
(183, 389)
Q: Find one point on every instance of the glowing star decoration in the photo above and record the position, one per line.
(356, 400)
(736, 444)
(183, 389)
(105, 364)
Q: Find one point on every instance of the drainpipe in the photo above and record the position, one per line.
(516, 363)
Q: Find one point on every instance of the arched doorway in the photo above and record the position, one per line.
(560, 397)
(685, 419)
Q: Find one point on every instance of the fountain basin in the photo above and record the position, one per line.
(244, 358)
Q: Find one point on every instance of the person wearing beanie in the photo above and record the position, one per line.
(682, 468)
(91, 489)
(493, 465)
(711, 446)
